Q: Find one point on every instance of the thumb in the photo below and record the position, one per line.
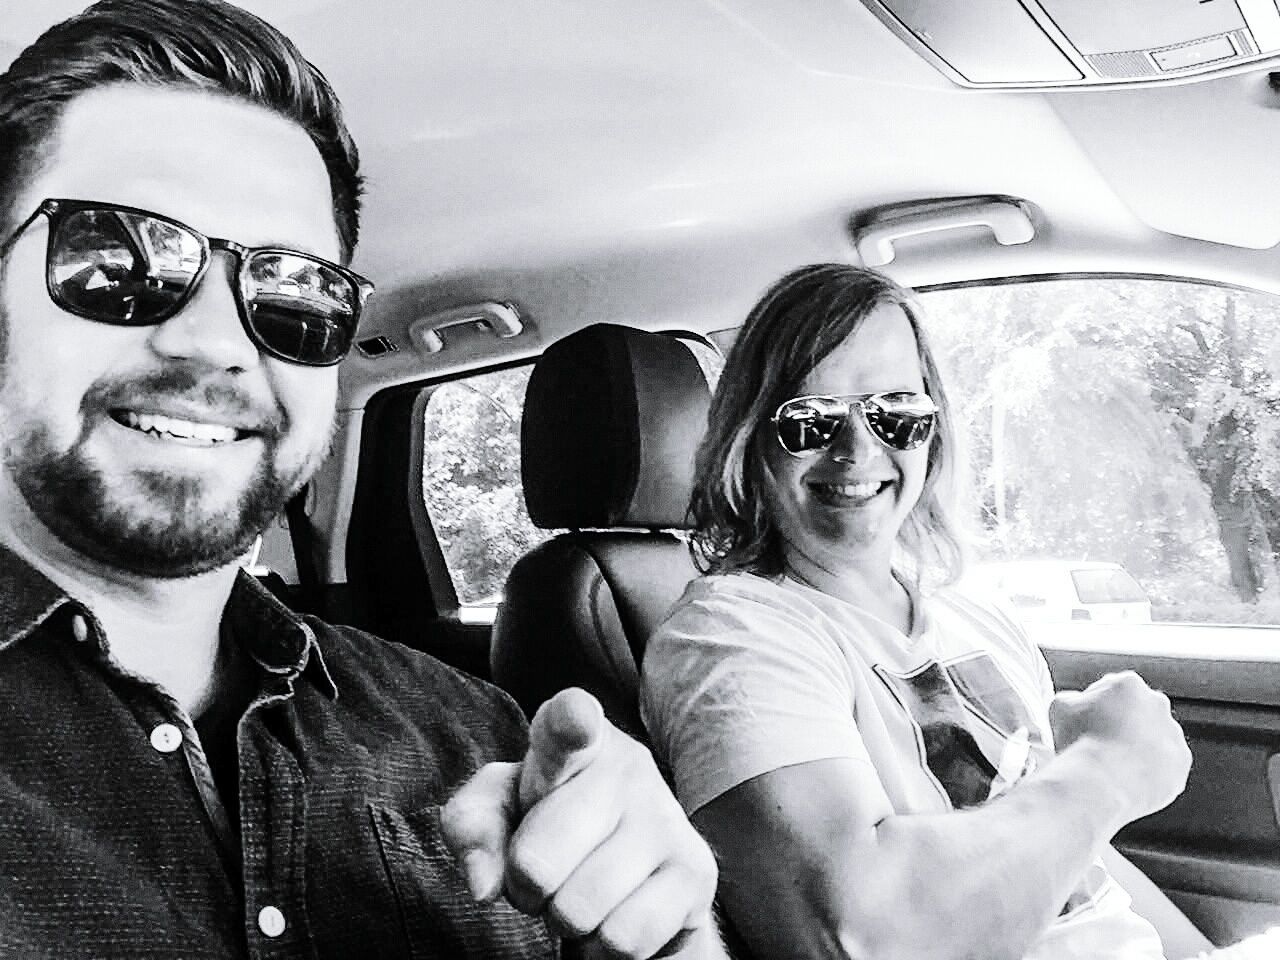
(1064, 717)
(1065, 699)
(564, 737)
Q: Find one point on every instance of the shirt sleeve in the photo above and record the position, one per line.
(735, 686)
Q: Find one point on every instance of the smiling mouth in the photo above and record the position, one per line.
(848, 493)
(182, 431)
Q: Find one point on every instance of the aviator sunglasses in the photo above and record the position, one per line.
(132, 268)
(900, 419)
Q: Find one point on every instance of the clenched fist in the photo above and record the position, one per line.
(585, 833)
(1138, 745)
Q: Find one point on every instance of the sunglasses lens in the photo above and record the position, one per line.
(122, 268)
(808, 425)
(902, 420)
(301, 309)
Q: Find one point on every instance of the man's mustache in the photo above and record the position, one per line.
(214, 394)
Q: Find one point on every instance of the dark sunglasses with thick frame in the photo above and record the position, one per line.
(130, 267)
(900, 419)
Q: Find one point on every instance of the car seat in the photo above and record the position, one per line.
(612, 419)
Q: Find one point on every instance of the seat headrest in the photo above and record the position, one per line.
(612, 421)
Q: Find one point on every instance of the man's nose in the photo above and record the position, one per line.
(208, 328)
(854, 442)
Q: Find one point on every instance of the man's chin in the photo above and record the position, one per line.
(162, 527)
(175, 546)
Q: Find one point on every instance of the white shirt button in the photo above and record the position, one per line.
(166, 738)
(271, 921)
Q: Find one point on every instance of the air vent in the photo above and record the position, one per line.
(374, 347)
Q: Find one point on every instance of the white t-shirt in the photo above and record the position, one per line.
(749, 675)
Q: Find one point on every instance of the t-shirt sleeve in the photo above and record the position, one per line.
(735, 686)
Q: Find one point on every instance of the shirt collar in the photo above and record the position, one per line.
(279, 640)
(27, 598)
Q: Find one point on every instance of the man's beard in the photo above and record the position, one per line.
(174, 534)
(74, 500)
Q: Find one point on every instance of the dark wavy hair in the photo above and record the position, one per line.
(795, 325)
(202, 44)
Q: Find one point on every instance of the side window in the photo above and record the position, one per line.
(471, 482)
(1124, 435)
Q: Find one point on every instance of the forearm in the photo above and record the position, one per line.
(985, 881)
(808, 871)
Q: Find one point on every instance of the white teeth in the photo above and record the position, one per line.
(179, 429)
(856, 491)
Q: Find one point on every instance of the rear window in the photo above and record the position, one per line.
(1107, 586)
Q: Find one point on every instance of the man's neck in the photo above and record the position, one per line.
(871, 586)
(166, 630)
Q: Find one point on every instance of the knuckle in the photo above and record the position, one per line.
(705, 870)
(1125, 681)
(632, 753)
(1134, 681)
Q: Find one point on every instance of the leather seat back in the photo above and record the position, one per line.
(612, 420)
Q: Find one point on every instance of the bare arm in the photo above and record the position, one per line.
(809, 870)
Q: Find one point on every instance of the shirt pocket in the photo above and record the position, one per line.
(437, 913)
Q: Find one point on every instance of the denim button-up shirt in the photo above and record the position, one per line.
(114, 841)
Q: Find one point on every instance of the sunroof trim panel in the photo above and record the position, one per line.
(1065, 44)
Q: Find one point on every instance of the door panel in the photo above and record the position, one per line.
(1219, 895)
(1216, 849)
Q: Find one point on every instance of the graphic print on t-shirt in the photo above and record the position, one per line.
(975, 735)
(970, 725)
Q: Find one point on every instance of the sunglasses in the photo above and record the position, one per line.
(899, 419)
(132, 268)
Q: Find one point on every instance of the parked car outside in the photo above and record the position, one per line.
(1056, 591)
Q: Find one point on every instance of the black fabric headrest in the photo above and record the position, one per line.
(612, 421)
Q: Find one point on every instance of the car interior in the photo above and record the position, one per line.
(571, 207)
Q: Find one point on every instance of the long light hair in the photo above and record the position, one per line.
(792, 329)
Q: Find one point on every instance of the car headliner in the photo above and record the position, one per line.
(659, 162)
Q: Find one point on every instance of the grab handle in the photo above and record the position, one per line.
(1008, 218)
(500, 319)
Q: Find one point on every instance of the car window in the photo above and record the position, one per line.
(1106, 586)
(471, 482)
(1129, 421)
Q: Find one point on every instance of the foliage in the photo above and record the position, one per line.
(471, 480)
(1127, 420)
